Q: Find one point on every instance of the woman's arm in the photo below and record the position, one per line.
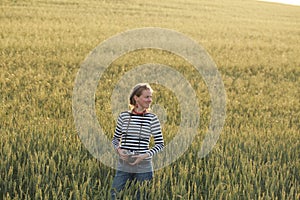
(118, 133)
(157, 136)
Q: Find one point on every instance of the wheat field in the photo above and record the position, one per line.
(255, 46)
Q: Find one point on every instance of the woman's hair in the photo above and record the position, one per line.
(137, 91)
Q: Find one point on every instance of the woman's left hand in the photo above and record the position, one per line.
(139, 158)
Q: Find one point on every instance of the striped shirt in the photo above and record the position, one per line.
(133, 132)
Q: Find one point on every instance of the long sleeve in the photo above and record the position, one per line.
(118, 133)
(158, 137)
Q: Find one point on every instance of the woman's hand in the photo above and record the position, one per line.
(139, 158)
(122, 155)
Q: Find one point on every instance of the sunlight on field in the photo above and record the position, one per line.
(289, 2)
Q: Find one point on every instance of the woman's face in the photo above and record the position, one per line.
(144, 101)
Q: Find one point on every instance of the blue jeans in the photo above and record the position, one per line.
(122, 177)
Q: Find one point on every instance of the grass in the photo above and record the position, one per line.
(254, 44)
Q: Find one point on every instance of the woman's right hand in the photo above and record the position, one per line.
(122, 155)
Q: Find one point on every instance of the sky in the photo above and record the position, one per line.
(291, 2)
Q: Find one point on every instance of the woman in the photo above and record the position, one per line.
(132, 137)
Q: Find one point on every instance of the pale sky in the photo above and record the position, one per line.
(291, 2)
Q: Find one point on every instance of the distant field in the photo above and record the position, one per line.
(254, 44)
(288, 2)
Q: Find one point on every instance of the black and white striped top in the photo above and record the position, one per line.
(133, 132)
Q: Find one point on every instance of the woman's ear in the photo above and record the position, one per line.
(135, 98)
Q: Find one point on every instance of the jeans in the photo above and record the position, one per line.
(122, 177)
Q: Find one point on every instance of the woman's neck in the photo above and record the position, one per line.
(139, 111)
